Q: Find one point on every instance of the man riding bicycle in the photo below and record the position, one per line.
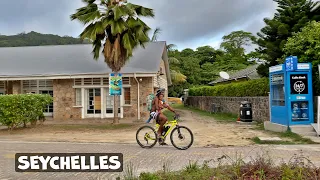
(161, 119)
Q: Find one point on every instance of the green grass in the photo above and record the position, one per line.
(168, 114)
(220, 117)
(294, 138)
(258, 141)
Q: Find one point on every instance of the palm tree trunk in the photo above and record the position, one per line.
(115, 107)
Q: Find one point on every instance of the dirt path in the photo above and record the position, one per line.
(207, 132)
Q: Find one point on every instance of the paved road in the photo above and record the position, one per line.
(143, 159)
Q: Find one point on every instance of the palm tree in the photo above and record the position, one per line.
(116, 27)
(176, 76)
(171, 47)
(155, 35)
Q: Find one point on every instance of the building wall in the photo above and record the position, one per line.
(64, 97)
(146, 87)
(16, 87)
(64, 100)
(161, 81)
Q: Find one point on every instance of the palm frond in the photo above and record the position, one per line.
(173, 60)
(116, 22)
(140, 10)
(155, 35)
(87, 14)
(171, 47)
(177, 77)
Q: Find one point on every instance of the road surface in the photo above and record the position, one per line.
(144, 160)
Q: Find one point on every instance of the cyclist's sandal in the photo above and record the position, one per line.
(161, 141)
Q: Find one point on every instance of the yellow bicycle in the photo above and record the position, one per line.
(150, 137)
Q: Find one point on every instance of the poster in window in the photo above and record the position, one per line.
(299, 83)
(115, 84)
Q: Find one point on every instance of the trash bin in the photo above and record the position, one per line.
(245, 111)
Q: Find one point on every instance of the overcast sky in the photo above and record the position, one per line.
(186, 23)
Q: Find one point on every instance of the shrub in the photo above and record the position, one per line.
(259, 87)
(19, 109)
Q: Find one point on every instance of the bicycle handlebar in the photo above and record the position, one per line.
(176, 117)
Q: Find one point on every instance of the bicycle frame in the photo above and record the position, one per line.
(172, 124)
(173, 127)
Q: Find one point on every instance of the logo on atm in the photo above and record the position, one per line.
(299, 86)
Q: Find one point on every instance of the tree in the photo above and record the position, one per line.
(236, 41)
(37, 39)
(175, 74)
(117, 23)
(291, 16)
(155, 35)
(306, 45)
(171, 47)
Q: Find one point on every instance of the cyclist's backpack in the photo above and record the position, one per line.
(150, 98)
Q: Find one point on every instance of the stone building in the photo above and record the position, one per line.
(79, 84)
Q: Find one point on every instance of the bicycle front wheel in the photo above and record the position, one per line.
(183, 135)
(146, 137)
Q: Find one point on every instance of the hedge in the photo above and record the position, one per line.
(19, 109)
(259, 87)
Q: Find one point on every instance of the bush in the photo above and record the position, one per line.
(19, 109)
(260, 167)
(259, 87)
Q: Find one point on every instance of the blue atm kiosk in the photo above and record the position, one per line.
(291, 97)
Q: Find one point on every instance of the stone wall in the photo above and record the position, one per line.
(64, 100)
(146, 87)
(260, 105)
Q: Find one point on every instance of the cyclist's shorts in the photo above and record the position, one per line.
(154, 115)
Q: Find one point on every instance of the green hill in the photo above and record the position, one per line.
(37, 39)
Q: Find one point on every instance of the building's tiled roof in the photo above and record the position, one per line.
(250, 72)
(73, 60)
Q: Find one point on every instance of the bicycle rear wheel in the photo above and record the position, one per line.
(181, 133)
(149, 136)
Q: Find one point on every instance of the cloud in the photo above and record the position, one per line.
(186, 23)
(193, 20)
(45, 16)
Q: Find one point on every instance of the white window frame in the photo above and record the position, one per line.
(48, 86)
(78, 97)
(104, 85)
(36, 87)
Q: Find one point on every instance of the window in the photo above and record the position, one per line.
(2, 85)
(77, 82)
(125, 80)
(127, 98)
(78, 97)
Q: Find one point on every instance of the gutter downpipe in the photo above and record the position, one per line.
(135, 77)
